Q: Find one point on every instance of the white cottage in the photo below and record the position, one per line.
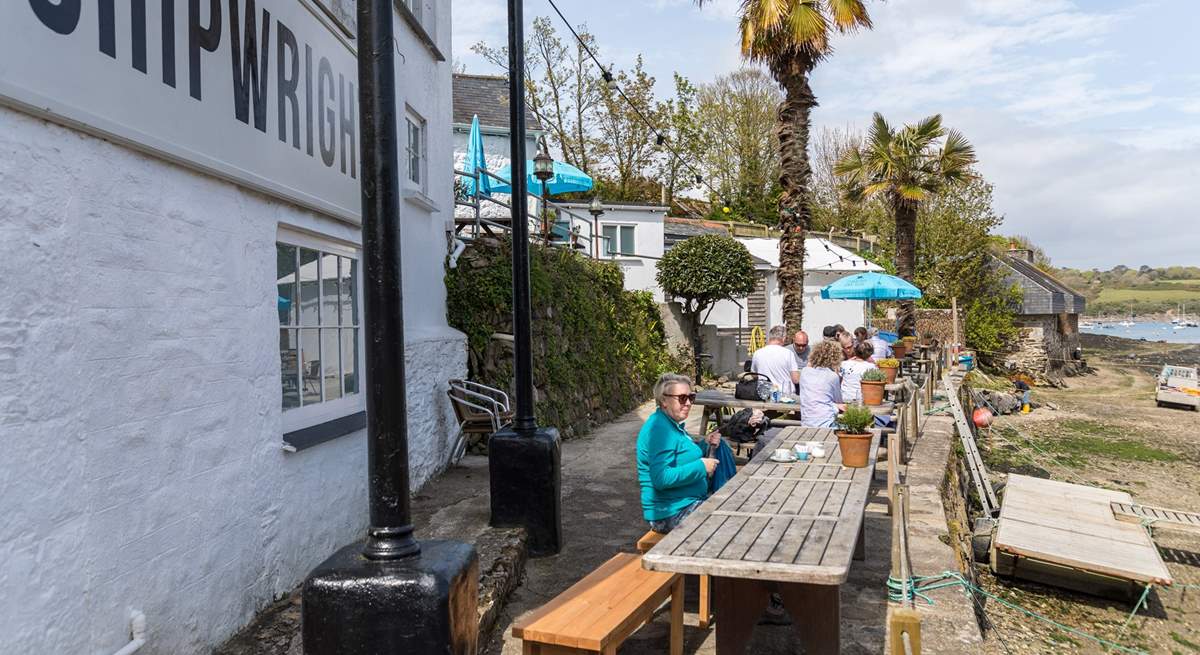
(824, 263)
(630, 235)
(180, 332)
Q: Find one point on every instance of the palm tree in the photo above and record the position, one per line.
(904, 168)
(791, 37)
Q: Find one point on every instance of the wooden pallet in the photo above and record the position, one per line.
(1157, 517)
(1066, 534)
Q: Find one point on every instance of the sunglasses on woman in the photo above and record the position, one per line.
(682, 398)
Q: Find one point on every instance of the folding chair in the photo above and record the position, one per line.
(480, 409)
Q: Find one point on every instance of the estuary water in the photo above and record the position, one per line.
(1150, 331)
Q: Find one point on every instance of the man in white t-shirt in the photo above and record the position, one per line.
(777, 362)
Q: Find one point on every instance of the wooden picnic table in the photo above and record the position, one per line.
(789, 528)
(715, 401)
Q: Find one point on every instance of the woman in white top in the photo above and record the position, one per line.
(820, 386)
(852, 371)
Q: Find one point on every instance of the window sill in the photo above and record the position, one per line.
(418, 198)
(315, 435)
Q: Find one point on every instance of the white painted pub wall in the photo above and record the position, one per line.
(140, 388)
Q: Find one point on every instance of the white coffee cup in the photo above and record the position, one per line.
(783, 453)
(818, 450)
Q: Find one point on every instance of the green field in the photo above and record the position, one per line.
(1149, 295)
(1195, 282)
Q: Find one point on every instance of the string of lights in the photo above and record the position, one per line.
(660, 138)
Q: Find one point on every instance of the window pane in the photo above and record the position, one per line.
(350, 361)
(331, 369)
(610, 239)
(349, 287)
(310, 356)
(414, 151)
(288, 369)
(330, 298)
(626, 239)
(309, 289)
(285, 272)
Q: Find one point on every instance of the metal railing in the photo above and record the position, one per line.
(547, 225)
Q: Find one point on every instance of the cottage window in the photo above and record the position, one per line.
(618, 239)
(416, 150)
(320, 361)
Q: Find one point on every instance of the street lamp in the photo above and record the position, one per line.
(596, 209)
(543, 170)
(524, 460)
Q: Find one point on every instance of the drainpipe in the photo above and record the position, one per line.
(137, 630)
(459, 247)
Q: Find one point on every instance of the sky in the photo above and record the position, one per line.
(1085, 115)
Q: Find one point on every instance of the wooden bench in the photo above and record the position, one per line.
(646, 542)
(600, 611)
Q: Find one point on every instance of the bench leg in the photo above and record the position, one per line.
(677, 616)
(705, 602)
(738, 603)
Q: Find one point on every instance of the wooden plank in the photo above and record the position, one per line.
(806, 517)
(708, 526)
(737, 548)
(1074, 526)
(721, 538)
(1158, 517)
(793, 540)
(765, 544)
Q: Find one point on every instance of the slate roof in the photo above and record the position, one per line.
(678, 229)
(1041, 293)
(487, 97)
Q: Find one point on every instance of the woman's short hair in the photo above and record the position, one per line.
(827, 354)
(860, 333)
(666, 380)
(864, 350)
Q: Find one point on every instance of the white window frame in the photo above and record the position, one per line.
(412, 118)
(306, 416)
(606, 243)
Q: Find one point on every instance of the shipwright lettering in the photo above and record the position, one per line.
(248, 32)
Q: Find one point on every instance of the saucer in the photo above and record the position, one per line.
(785, 460)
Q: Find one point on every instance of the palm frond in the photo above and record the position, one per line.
(880, 134)
(848, 15)
(914, 192)
(957, 153)
(877, 188)
(807, 26)
(767, 14)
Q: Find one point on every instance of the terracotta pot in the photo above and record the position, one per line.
(890, 372)
(899, 350)
(855, 448)
(872, 392)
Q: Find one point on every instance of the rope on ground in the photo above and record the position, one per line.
(920, 585)
(940, 409)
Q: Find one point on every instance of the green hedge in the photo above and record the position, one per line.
(597, 349)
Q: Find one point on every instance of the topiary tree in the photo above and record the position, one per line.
(701, 271)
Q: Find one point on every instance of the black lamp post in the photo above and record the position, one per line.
(596, 209)
(543, 170)
(524, 461)
(387, 593)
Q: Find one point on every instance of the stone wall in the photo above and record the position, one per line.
(597, 348)
(936, 323)
(1044, 347)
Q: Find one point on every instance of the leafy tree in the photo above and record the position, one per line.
(625, 142)
(791, 37)
(682, 132)
(701, 271)
(562, 88)
(905, 168)
(736, 114)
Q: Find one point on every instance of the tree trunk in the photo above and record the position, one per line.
(906, 259)
(697, 347)
(795, 203)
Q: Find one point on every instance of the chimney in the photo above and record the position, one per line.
(1020, 253)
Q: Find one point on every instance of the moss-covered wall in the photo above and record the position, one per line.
(597, 349)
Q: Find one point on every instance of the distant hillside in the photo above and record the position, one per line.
(1150, 290)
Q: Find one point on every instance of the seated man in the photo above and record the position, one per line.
(776, 362)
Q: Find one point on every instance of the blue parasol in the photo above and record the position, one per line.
(475, 161)
(566, 179)
(871, 286)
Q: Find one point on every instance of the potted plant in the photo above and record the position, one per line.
(872, 383)
(889, 367)
(899, 349)
(854, 441)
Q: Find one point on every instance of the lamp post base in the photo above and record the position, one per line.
(526, 485)
(421, 604)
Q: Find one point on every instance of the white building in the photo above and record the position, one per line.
(632, 236)
(180, 333)
(824, 263)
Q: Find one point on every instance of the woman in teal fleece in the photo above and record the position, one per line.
(672, 469)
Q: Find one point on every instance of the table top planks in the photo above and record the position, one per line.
(716, 398)
(794, 522)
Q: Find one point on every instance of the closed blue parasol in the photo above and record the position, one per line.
(475, 161)
(566, 179)
(871, 286)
